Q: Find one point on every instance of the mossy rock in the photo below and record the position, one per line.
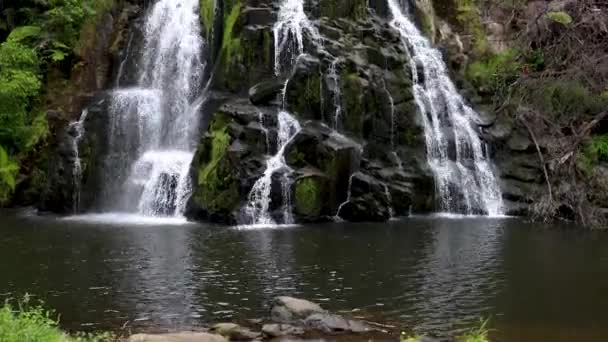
(215, 174)
(310, 196)
(353, 9)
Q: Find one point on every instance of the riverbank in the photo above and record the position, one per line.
(291, 319)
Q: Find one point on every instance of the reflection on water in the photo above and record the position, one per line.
(436, 274)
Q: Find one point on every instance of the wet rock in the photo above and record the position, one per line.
(234, 332)
(288, 309)
(332, 324)
(266, 91)
(368, 202)
(178, 337)
(278, 330)
(519, 142)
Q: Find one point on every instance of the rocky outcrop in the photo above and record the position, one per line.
(177, 337)
(104, 43)
(291, 318)
(351, 93)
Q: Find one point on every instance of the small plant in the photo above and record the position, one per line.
(479, 334)
(405, 338)
(32, 323)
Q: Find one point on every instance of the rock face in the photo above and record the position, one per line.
(96, 72)
(360, 154)
(351, 93)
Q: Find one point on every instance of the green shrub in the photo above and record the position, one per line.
(8, 174)
(495, 72)
(26, 323)
(570, 99)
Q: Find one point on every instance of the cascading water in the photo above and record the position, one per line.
(289, 32)
(153, 126)
(335, 77)
(465, 182)
(259, 197)
(77, 129)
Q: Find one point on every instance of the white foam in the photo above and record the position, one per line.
(128, 219)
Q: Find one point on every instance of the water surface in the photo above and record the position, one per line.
(435, 275)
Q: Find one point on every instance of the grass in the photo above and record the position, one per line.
(477, 334)
(32, 323)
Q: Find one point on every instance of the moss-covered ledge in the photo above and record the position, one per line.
(216, 184)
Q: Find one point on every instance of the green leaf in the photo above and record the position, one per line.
(22, 33)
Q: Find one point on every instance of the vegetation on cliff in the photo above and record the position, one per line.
(548, 73)
(40, 44)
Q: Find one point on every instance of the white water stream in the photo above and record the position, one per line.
(465, 182)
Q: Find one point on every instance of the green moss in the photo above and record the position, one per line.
(355, 103)
(295, 158)
(207, 11)
(231, 42)
(309, 196)
(560, 17)
(217, 180)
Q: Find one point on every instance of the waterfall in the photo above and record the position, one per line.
(77, 129)
(153, 128)
(259, 198)
(337, 95)
(465, 182)
(389, 198)
(289, 30)
(348, 198)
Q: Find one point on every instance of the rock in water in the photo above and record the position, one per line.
(287, 309)
(331, 324)
(178, 337)
(278, 330)
(234, 332)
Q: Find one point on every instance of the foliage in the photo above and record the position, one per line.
(469, 16)
(495, 72)
(207, 9)
(8, 174)
(596, 150)
(231, 45)
(19, 83)
(479, 334)
(45, 36)
(32, 323)
(570, 99)
(560, 17)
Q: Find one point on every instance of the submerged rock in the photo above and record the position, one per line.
(234, 332)
(278, 330)
(331, 324)
(177, 337)
(288, 309)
